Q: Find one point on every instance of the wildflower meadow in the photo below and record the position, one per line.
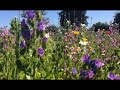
(29, 51)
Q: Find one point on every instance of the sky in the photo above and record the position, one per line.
(97, 16)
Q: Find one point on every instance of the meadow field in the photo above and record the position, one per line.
(30, 51)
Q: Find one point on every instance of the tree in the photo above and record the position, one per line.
(74, 16)
(100, 26)
(117, 19)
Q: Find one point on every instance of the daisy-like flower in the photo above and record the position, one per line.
(83, 43)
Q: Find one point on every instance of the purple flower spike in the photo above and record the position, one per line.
(22, 44)
(40, 51)
(26, 34)
(23, 23)
(74, 71)
(86, 58)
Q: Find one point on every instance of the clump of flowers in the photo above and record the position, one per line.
(86, 74)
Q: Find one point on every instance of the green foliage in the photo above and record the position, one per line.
(74, 16)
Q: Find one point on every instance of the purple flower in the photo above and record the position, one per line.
(41, 27)
(22, 44)
(99, 64)
(74, 71)
(40, 51)
(45, 39)
(96, 63)
(117, 78)
(23, 23)
(90, 74)
(112, 76)
(86, 58)
(30, 14)
(26, 34)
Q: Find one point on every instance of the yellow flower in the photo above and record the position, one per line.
(76, 32)
(91, 49)
(85, 40)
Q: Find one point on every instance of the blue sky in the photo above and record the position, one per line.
(98, 15)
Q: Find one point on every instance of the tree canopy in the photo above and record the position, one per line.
(74, 16)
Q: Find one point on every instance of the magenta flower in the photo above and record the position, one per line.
(90, 74)
(40, 51)
(2, 34)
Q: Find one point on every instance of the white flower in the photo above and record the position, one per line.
(83, 43)
(47, 35)
(68, 22)
(83, 25)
